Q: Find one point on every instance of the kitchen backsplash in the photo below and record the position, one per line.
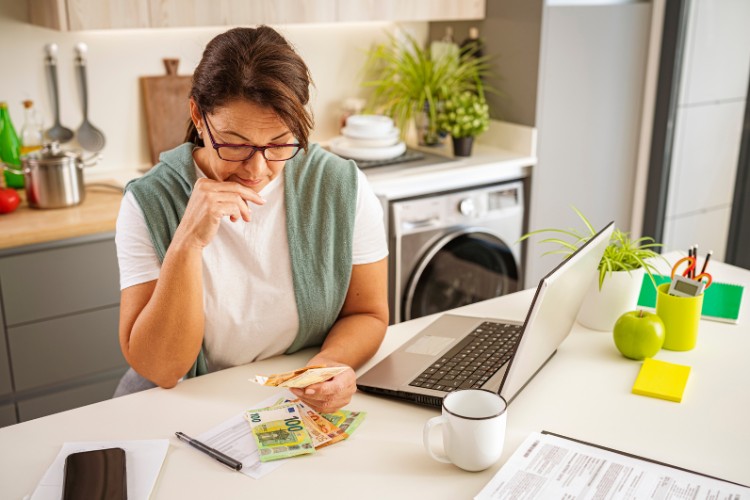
(117, 58)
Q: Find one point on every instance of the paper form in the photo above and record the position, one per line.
(548, 466)
(234, 438)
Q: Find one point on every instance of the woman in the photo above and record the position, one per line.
(247, 242)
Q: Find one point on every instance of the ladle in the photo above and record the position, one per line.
(57, 132)
(89, 137)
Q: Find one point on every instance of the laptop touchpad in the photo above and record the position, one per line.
(430, 345)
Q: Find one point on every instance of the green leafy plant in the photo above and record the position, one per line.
(407, 79)
(622, 253)
(464, 115)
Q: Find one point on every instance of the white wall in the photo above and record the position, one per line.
(708, 126)
(335, 54)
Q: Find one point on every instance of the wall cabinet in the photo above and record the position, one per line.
(60, 314)
(74, 15)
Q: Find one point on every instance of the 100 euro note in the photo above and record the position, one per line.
(279, 432)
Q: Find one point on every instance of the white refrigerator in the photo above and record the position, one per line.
(592, 71)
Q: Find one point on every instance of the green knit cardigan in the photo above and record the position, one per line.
(320, 194)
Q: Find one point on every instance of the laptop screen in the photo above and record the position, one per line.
(553, 312)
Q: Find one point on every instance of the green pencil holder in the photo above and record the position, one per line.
(681, 317)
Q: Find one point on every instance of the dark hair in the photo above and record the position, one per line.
(259, 65)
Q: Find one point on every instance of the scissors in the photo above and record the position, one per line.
(691, 266)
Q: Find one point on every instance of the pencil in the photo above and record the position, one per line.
(695, 267)
(705, 262)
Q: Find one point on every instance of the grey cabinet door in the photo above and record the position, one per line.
(5, 384)
(62, 349)
(68, 399)
(48, 283)
(8, 414)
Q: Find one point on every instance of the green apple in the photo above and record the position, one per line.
(639, 334)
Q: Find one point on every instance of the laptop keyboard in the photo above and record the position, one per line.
(471, 362)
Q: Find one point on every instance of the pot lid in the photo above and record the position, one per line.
(51, 152)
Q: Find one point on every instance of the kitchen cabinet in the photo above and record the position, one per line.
(410, 10)
(73, 15)
(60, 303)
(173, 13)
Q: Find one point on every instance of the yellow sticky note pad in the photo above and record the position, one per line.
(660, 379)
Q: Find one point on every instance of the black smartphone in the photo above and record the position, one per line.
(95, 474)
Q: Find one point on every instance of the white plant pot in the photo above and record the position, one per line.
(619, 294)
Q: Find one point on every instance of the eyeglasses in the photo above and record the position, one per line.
(242, 152)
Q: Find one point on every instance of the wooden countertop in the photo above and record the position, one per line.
(26, 226)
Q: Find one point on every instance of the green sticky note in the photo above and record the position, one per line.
(661, 379)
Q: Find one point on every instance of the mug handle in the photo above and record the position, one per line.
(434, 422)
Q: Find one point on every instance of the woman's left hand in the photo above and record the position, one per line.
(331, 395)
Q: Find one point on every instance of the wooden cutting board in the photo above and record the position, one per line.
(165, 101)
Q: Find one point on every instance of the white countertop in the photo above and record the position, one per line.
(486, 165)
(583, 392)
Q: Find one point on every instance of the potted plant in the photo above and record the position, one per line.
(409, 81)
(617, 283)
(464, 116)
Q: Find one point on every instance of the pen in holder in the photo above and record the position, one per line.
(681, 317)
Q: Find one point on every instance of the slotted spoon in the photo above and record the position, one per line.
(57, 132)
(89, 137)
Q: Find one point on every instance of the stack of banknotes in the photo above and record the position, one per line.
(290, 427)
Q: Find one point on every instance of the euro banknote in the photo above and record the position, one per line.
(301, 377)
(346, 420)
(279, 432)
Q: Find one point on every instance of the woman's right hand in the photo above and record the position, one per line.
(209, 202)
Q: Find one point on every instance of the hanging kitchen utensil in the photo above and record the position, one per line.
(166, 104)
(57, 132)
(89, 137)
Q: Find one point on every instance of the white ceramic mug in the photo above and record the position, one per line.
(473, 429)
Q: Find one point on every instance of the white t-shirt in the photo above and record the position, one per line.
(248, 295)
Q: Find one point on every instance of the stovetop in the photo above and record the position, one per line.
(411, 158)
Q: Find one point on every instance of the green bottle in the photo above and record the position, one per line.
(10, 148)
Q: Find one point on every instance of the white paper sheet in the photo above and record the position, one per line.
(234, 438)
(143, 461)
(547, 466)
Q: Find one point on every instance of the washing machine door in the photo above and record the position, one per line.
(462, 268)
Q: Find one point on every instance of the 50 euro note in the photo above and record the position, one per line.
(301, 377)
(279, 432)
(322, 431)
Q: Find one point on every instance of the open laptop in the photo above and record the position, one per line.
(459, 352)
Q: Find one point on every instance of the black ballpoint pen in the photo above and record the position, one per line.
(215, 454)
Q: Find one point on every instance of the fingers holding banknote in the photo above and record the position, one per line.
(331, 395)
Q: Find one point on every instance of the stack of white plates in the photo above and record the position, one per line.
(368, 137)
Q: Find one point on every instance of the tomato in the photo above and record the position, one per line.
(9, 200)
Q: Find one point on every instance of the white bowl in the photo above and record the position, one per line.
(369, 125)
(341, 147)
(372, 142)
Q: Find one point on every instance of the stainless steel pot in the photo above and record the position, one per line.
(54, 178)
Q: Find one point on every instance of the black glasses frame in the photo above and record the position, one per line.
(253, 149)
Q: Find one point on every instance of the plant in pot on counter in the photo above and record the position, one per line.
(410, 83)
(617, 283)
(464, 116)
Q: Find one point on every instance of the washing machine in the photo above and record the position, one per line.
(454, 248)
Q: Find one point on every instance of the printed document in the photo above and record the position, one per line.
(549, 466)
(234, 438)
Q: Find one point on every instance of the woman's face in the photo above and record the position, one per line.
(240, 122)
